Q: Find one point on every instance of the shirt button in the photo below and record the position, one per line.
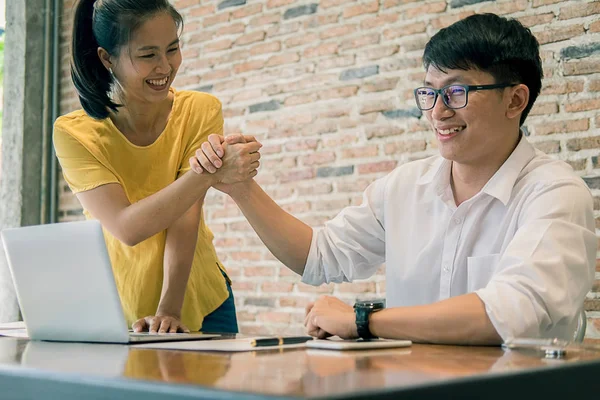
(457, 221)
(446, 269)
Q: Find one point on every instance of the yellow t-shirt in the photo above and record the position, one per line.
(94, 152)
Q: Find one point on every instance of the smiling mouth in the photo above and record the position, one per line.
(158, 82)
(446, 132)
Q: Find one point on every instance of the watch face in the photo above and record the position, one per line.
(375, 304)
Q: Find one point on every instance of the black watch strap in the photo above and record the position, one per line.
(363, 310)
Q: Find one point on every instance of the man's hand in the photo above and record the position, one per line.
(330, 316)
(209, 156)
(160, 324)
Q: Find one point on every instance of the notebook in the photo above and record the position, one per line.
(66, 288)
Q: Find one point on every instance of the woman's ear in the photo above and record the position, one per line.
(519, 98)
(105, 58)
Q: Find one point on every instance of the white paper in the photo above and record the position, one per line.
(14, 329)
(234, 345)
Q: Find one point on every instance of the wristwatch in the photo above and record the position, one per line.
(363, 310)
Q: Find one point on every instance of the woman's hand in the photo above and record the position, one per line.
(212, 155)
(160, 324)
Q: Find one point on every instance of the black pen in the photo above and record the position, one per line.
(278, 341)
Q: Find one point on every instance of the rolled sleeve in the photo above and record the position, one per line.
(543, 276)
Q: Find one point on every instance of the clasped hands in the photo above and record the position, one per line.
(231, 159)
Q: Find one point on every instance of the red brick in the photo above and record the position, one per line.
(539, 3)
(408, 146)
(180, 4)
(338, 31)
(360, 9)
(336, 62)
(281, 59)
(296, 302)
(447, 20)
(219, 45)
(274, 317)
(595, 26)
(250, 38)
(249, 66)
(562, 87)
(314, 189)
(321, 20)
(508, 7)
(235, 55)
(300, 145)
(228, 242)
(331, 3)
(283, 29)
(228, 85)
(300, 40)
(377, 53)
(320, 158)
(377, 106)
(558, 34)
(216, 19)
(380, 20)
(323, 289)
(238, 286)
(226, 213)
(548, 147)
(544, 109)
(216, 74)
(579, 10)
(355, 287)
(582, 67)
(379, 166)
(245, 316)
(594, 85)
(360, 41)
(383, 131)
(582, 105)
(335, 205)
(430, 8)
(533, 20)
(585, 143)
(277, 287)
(278, 3)
(297, 175)
(247, 11)
(404, 30)
(265, 19)
(340, 92)
(183, 81)
(577, 165)
(395, 3)
(202, 10)
(339, 140)
(360, 152)
(265, 48)
(321, 50)
(562, 126)
(300, 99)
(231, 29)
(259, 271)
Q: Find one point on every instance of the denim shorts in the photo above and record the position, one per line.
(223, 319)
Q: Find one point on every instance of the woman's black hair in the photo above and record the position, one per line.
(502, 47)
(107, 24)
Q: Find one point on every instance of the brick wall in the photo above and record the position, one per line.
(327, 87)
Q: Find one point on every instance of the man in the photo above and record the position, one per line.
(491, 240)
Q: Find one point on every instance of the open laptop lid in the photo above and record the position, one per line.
(64, 282)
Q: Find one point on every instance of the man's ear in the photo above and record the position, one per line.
(105, 58)
(519, 98)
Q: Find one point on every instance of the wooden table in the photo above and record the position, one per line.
(95, 371)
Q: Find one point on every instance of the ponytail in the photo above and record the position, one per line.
(107, 24)
(91, 79)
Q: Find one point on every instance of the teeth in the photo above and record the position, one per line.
(158, 82)
(449, 131)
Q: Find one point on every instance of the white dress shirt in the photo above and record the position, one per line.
(525, 244)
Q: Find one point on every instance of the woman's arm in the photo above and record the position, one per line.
(133, 223)
(180, 247)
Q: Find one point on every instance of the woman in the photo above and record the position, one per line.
(125, 156)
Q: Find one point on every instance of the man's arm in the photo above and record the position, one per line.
(458, 320)
(285, 236)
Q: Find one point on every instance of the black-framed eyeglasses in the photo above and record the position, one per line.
(454, 96)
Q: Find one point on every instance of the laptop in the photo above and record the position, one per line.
(66, 288)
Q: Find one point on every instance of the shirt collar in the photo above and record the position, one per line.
(500, 184)
(503, 181)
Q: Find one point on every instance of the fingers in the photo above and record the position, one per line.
(216, 144)
(253, 146)
(184, 328)
(165, 324)
(154, 324)
(236, 138)
(208, 150)
(139, 325)
(195, 165)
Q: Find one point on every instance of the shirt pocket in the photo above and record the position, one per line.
(480, 271)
